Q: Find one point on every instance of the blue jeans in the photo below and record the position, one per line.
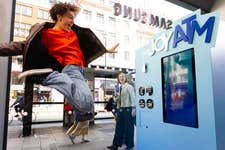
(124, 127)
(71, 83)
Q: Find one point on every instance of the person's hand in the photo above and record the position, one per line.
(113, 49)
(133, 112)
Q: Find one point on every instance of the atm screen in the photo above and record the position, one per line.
(179, 89)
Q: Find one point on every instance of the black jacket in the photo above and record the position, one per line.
(35, 54)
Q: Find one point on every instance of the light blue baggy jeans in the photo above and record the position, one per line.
(71, 83)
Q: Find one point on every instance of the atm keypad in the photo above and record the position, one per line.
(142, 103)
(141, 91)
(149, 90)
(149, 103)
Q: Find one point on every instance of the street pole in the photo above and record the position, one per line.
(105, 40)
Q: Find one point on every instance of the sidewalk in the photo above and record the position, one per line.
(53, 137)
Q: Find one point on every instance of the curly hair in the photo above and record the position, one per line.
(61, 8)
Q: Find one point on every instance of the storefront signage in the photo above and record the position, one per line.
(138, 14)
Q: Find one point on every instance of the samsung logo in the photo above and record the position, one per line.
(138, 14)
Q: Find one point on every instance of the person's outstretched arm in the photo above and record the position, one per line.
(12, 48)
(113, 49)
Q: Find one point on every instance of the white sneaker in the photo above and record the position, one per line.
(22, 75)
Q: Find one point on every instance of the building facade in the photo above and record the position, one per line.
(99, 15)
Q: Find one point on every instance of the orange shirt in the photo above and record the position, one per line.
(64, 46)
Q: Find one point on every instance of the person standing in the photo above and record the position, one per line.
(18, 104)
(126, 111)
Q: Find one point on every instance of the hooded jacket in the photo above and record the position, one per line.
(35, 54)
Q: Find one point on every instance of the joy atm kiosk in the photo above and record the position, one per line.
(178, 105)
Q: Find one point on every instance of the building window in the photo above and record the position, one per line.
(102, 37)
(126, 41)
(111, 40)
(43, 14)
(21, 29)
(24, 10)
(100, 19)
(126, 25)
(87, 16)
(112, 23)
(108, 40)
(112, 56)
(127, 55)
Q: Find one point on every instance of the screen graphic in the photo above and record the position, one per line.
(178, 89)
